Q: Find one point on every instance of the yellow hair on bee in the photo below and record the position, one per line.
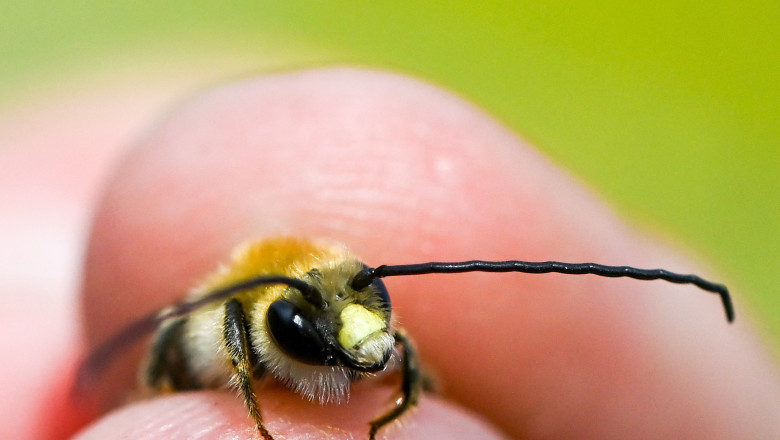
(287, 256)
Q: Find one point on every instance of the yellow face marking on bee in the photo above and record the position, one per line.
(358, 323)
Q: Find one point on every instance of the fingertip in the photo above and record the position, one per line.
(404, 172)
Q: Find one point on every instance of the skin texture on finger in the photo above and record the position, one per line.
(403, 173)
(220, 415)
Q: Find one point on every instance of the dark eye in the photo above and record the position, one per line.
(295, 334)
(381, 292)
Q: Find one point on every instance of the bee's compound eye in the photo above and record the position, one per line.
(382, 293)
(295, 334)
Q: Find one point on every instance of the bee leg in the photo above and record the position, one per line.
(167, 362)
(411, 383)
(237, 342)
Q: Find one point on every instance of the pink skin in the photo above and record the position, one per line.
(403, 172)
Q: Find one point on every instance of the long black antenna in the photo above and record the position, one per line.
(367, 275)
(99, 359)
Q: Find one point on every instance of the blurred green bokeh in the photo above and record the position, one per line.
(670, 109)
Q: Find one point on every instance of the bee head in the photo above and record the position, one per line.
(334, 324)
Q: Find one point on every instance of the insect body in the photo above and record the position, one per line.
(312, 316)
(316, 341)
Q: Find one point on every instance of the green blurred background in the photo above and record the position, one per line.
(670, 109)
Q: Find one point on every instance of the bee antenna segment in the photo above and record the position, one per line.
(363, 278)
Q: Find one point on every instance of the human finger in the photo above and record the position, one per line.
(403, 172)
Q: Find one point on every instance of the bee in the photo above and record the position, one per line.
(311, 315)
